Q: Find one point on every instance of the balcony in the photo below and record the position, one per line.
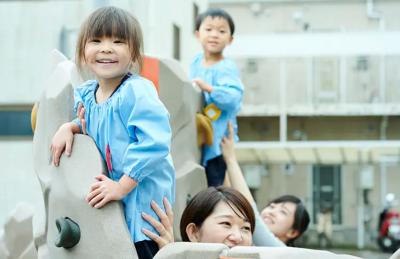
(321, 74)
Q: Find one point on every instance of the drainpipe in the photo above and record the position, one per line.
(373, 14)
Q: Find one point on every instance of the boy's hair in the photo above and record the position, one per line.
(213, 12)
(111, 22)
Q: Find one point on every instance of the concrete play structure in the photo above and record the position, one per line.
(73, 229)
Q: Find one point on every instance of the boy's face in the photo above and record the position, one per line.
(214, 35)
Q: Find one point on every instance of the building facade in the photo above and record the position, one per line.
(320, 112)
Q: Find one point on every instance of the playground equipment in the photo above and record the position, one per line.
(72, 228)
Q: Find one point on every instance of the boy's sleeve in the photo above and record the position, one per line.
(228, 91)
(147, 122)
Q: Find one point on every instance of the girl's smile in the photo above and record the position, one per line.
(108, 58)
(106, 61)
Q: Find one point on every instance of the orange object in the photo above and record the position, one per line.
(34, 115)
(204, 130)
(151, 71)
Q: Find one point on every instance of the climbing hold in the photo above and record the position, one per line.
(69, 233)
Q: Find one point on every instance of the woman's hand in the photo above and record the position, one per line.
(104, 191)
(234, 172)
(164, 226)
(228, 146)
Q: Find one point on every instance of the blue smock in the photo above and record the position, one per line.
(133, 125)
(226, 95)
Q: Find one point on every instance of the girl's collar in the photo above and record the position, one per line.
(129, 74)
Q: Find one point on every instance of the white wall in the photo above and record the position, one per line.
(18, 183)
(31, 29)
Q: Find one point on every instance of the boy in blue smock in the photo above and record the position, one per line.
(219, 80)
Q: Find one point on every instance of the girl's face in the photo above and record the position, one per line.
(222, 226)
(108, 58)
(279, 217)
(214, 34)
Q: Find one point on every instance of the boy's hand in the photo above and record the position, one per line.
(81, 116)
(203, 85)
(164, 225)
(104, 191)
(61, 141)
(227, 145)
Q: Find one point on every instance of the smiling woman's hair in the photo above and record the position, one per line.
(215, 13)
(111, 22)
(203, 204)
(301, 216)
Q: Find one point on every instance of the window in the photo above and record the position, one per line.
(327, 191)
(362, 63)
(195, 14)
(68, 39)
(326, 79)
(177, 42)
(252, 66)
(15, 122)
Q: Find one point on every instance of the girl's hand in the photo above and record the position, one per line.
(228, 146)
(62, 140)
(104, 191)
(202, 85)
(164, 228)
(81, 116)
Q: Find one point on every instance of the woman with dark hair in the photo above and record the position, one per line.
(218, 215)
(282, 221)
(214, 215)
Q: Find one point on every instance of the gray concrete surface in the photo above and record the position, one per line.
(368, 254)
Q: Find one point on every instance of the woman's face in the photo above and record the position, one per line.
(279, 217)
(222, 226)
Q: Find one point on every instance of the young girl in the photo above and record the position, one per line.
(129, 124)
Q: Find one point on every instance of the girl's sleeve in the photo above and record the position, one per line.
(228, 91)
(147, 123)
(262, 236)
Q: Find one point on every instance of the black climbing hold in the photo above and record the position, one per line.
(69, 233)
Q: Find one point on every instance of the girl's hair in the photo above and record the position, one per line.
(215, 13)
(204, 203)
(301, 216)
(111, 22)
